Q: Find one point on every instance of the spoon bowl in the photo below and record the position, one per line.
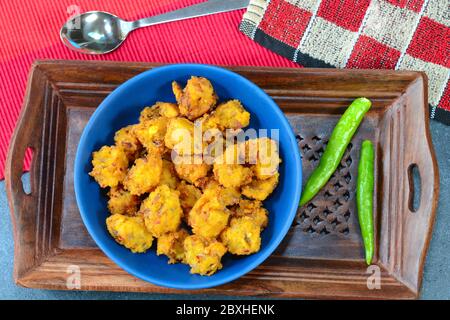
(95, 32)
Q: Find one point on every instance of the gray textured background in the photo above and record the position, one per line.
(436, 280)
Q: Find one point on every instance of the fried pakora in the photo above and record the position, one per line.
(229, 115)
(209, 216)
(229, 169)
(130, 232)
(151, 134)
(197, 97)
(168, 110)
(254, 210)
(168, 175)
(162, 211)
(163, 109)
(172, 245)
(110, 166)
(149, 113)
(227, 196)
(122, 201)
(206, 122)
(144, 175)
(232, 175)
(260, 189)
(203, 255)
(189, 195)
(242, 237)
(191, 168)
(266, 158)
(183, 165)
(127, 140)
(180, 137)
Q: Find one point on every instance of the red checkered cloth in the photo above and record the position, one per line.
(366, 34)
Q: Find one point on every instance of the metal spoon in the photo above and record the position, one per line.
(98, 32)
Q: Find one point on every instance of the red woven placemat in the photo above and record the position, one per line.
(368, 34)
(402, 34)
(30, 31)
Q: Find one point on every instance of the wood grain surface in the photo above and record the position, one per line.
(321, 257)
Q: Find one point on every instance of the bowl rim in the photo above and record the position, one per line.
(268, 250)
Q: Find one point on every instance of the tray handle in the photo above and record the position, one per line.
(417, 223)
(23, 206)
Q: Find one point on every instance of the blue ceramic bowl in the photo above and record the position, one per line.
(121, 108)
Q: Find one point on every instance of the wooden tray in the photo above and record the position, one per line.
(321, 257)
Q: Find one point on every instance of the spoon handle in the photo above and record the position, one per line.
(197, 10)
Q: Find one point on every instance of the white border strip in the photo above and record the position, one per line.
(261, 18)
(419, 17)
(308, 28)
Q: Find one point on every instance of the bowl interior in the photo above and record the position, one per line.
(122, 107)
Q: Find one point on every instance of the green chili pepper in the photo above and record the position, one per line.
(338, 142)
(364, 197)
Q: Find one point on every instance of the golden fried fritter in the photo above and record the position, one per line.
(230, 115)
(162, 211)
(197, 98)
(144, 175)
(122, 201)
(149, 113)
(172, 245)
(233, 154)
(180, 136)
(163, 109)
(130, 232)
(168, 175)
(260, 189)
(229, 170)
(266, 158)
(203, 255)
(177, 91)
(232, 175)
(206, 122)
(179, 155)
(168, 110)
(151, 134)
(209, 131)
(189, 195)
(127, 140)
(213, 146)
(110, 166)
(242, 237)
(191, 168)
(203, 182)
(254, 210)
(227, 196)
(209, 216)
